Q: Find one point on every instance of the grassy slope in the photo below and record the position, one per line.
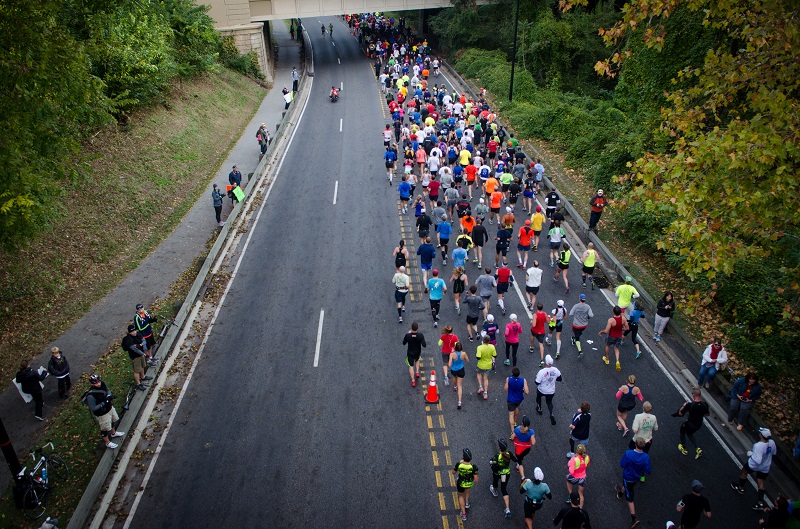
(141, 183)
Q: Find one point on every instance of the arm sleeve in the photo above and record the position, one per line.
(640, 396)
(619, 394)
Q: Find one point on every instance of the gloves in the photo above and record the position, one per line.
(153, 319)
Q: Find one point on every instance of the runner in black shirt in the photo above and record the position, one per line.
(573, 517)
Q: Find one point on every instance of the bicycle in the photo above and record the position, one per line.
(132, 389)
(37, 488)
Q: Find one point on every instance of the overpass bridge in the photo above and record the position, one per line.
(247, 21)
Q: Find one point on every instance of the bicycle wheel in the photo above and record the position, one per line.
(33, 501)
(57, 467)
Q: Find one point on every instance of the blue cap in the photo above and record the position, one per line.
(583, 297)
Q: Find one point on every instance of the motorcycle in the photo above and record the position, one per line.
(334, 95)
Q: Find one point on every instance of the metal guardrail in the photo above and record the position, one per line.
(84, 508)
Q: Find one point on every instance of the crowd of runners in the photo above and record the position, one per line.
(471, 189)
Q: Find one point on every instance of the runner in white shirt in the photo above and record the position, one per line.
(546, 380)
(533, 280)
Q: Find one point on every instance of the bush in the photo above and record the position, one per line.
(246, 64)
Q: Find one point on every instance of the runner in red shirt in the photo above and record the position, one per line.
(615, 326)
(447, 342)
(492, 146)
(471, 171)
(524, 244)
(503, 277)
(537, 329)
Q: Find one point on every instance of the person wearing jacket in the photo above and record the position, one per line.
(134, 344)
(635, 464)
(98, 399)
(58, 366)
(744, 394)
(216, 198)
(597, 203)
(664, 310)
(714, 357)
(29, 380)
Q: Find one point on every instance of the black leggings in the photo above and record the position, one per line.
(688, 430)
(519, 457)
(512, 348)
(547, 398)
(503, 480)
(633, 329)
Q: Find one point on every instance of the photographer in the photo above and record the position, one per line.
(99, 398)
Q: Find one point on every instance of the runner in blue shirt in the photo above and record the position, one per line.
(437, 287)
(404, 190)
(444, 230)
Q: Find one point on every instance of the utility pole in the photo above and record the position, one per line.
(8, 451)
(514, 54)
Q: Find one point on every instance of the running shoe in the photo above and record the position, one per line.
(485, 395)
(493, 491)
(463, 516)
(626, 432)
(547, 341)
(683, 450)
(459, 405)
(552, 265)
(471, 339)
(111, 445)
(618, 367)
(698, 452)
(413, 383)
(446, 380)
(572, 340)
(399, 320)
(436, 324)
(634, 522)
(642, 479)
(605, 360)
(619, 491)
(458, 310)
(566, 291)
(508, 513)
(558, 355)
(570, 455)
(467, 506)
(638, 353)
(507, 362)
(552, 420)
(583, 285)
(539, 409)
(541, 364)
(416, 375)
(760, 506)
(580, 354)
(737, 488)
(480, 390)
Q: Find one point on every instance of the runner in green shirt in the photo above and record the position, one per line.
(625, 293)
(485, 354)
(467, 476)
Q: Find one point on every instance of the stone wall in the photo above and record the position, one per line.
(250, 37)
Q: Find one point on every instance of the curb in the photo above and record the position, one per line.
(84, 508)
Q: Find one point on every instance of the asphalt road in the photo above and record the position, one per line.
(266, 439)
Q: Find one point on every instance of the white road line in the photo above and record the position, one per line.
(333, 42)
(319, 337)
(340, 124)
(338, 60)
(522, 299)
(335, 192)
(178, 402)
(341, 85)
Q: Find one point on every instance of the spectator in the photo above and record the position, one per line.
(664, 310)
(59, 368)
(216, 198)
(29, 381)
(598, 203)
(98, 399)
(714, 358)
(744, 394)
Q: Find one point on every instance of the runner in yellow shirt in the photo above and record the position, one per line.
(537, 221)
(485, 354)
(589, 260)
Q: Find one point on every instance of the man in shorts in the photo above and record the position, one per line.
(635, 464)
(517, 388)
(537, 223)
(402, 283)
(414, 342)
(581, 312)
(486, 285)
(134, 344)
(98, 399)
(474, 307)
(480, 236)
(503, 277)
(588, 262)
(524, 245)
(437, 288)
(503, 241)
(533, 280)
(426, 253)
(759, 462)
(485, 354)
(538, 322)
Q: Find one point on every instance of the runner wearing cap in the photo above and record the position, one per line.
(581, 312)
(546, 380)
(535, 492)
(436, 287)
(524, 245)
(759, 461)
(693, 507)
(626, 293)
(512, 332)
(557, 316)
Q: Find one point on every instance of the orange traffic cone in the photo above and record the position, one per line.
(433, 395)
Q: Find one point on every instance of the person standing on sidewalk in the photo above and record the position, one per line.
(581, 313)
(58, 366)
(597, 203)
(216, 199)
(143, 321)
(98, 399)
(664, 310)
(516, 387)
(759, 461)
(295, 79)
(546, 380)
(693, 507)
(744, 394)
(415, 341)
(614, 328)
(29, 381)
(635, 464)
(695, 410)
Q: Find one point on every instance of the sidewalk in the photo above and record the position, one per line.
(106, 322)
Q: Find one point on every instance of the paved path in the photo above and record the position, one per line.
(106, 322)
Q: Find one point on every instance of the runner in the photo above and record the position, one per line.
(556, 320)
(625, 293)
(485, 354)
(556, 236)
(414, 341)
(479, 237)
(490, 329)
(486, 283)
(524, 245)
(635, 464)
(457, 369)
(437, 287)
(495, 202)
(577, 466)
(588, 262)
(400, 255)
(474, 307)
(546, 380)
(524, 439)
(481, 210)
(528, 192)
(644, 424)
(537, 330)
(467, 476)
(517, 388)
(503, 241)
(579, 428)
(537, 222)
(696, 410)
(614, 329)
(693, 507)
(404, 190)
(533, 280)
(512, 332)
(443, 232)
(581, 312)
(626, 401)
(402, 284)
(458, 279)
(390, 160)
(447, 342)
(426, 253)
(535, 492)
(500, 473)
(551, 202)
(759, 462)
(504, 277)
(633, 327)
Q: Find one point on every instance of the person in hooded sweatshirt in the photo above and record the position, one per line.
(635, 464)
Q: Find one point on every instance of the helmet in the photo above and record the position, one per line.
(503, 444)
(94, 379)
(139, 306)
(467, 455)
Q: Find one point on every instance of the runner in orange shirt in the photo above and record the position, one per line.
(467, 223)
(471, 171)
(491, 184)
(524, 244)
(494, 205)
(422, 159)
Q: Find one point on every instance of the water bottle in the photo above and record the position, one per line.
(44, 475)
